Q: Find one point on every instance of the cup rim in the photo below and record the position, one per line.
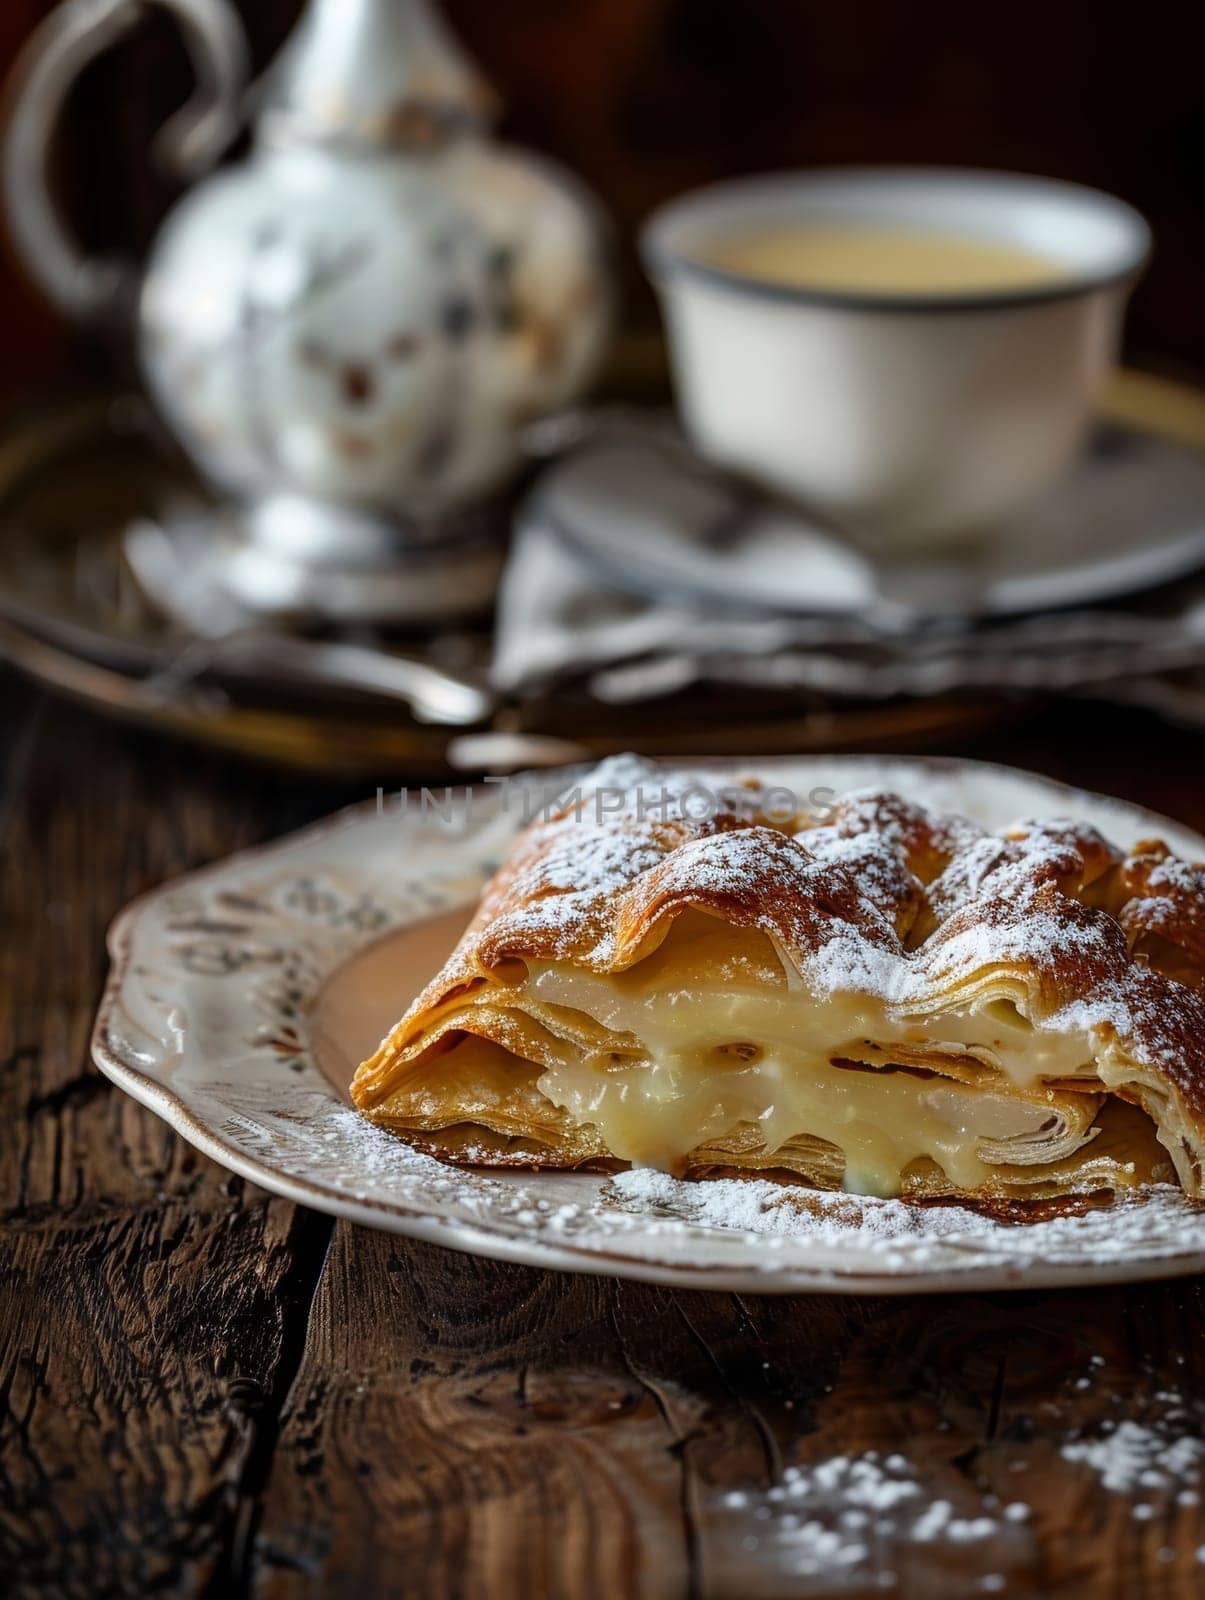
(663, 261)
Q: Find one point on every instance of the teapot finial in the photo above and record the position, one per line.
(372, 72)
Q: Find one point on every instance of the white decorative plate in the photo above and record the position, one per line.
(242, 997)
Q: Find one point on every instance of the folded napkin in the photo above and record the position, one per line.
(636, 572)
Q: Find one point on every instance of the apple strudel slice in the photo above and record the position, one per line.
(879, 999)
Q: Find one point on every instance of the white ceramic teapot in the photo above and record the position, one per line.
(349, 331)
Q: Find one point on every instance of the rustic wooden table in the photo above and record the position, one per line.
(203, 1389)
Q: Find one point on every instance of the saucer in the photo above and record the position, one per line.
(653, 517)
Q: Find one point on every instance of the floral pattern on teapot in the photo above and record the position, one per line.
(374, 331)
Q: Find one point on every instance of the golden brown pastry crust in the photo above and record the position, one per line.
(883, 898)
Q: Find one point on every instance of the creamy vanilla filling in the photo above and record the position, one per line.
(705, 1051)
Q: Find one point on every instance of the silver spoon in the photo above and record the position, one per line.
(234, 641)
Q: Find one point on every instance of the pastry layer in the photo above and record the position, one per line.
(891, 1002)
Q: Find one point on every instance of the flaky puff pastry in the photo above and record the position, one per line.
(667, 971)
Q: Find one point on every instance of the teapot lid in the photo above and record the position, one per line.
(372, 73)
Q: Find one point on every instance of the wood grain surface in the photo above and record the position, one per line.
(207, 1391)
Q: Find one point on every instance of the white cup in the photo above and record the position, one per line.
(912, 418)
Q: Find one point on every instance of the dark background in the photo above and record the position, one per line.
(648, 97)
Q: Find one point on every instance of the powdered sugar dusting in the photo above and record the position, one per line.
(1162, 1457)
(759, 1207)
(845, 1524)
(899, 1231)
(601, 836)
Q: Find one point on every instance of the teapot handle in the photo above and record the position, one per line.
(186, 145)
